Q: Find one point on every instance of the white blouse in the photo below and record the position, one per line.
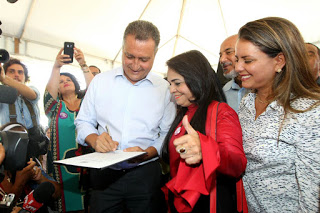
(282, 175)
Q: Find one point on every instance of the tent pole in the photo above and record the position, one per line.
(224, 22)
(179, 27)
(27, 19)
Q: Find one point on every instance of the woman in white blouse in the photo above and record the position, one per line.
(280, 118)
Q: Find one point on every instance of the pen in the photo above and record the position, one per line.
(107, 130)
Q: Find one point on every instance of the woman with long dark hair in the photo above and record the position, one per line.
(204, 143)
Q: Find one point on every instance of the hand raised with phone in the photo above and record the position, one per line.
(61, 59)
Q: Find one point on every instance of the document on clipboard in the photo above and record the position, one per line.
(98, 160)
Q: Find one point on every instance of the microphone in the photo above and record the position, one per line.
(8, 95)
(41, 195)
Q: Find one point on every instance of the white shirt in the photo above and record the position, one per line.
(137, 114)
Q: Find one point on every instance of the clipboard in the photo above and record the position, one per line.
(98, 160)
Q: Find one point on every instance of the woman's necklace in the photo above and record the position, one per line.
(261, 101)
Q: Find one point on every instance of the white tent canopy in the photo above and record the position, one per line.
(39, 27)
(35, 30)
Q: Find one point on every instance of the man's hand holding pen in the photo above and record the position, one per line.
(104, 143)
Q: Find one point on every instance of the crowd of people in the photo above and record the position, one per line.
(252, 145)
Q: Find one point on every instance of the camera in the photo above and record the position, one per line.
(21, 146)
(4, 56)
(7, 202)
(38, 142)
(16, 146)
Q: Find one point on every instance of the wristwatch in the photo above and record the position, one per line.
(85, 68)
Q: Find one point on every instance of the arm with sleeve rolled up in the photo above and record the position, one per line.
(23, 89)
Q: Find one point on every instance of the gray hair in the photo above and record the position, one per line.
(143, 30)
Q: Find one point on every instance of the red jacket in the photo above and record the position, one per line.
(224, 154)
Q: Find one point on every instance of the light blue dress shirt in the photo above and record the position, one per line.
(22, 112)
(137, 114)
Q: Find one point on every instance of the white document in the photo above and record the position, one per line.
(99, 160)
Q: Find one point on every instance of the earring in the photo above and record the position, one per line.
(279, 70)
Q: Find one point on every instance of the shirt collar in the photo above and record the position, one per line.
(234, 85)
(149, 78)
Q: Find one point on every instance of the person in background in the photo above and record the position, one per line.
(279, 118)
(233, 89)
(62, 100)
(314, 60)
(130, 109)
(204, 144)
(94, 70)
(15, 74)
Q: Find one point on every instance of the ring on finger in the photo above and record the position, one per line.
(182, 150)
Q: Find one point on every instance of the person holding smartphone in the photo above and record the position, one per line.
(62, 100)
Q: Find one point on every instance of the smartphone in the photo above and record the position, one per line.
(68, 50)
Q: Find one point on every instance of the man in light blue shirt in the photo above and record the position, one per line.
(234, 93)
(15, 74)
(232, 89)
(133, 111)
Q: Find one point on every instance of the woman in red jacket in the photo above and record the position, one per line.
(204, 144)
